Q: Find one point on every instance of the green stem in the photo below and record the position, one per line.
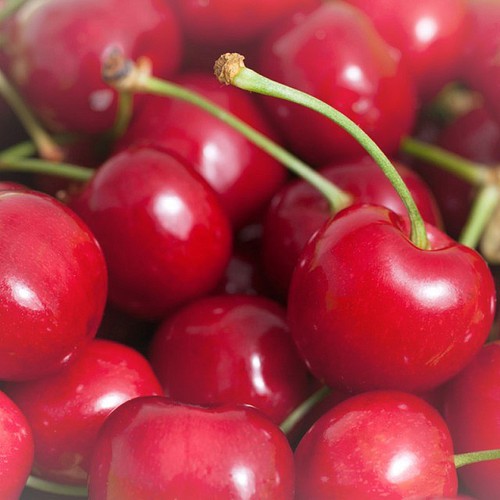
(35, 165)
(47, 147)
(123, 115)
(303, 409)
(56, 488)
(119, 77)
(230, 70)
(475, 457)
(485, 204)
(20, 150)
(10, 7)
(474, 173)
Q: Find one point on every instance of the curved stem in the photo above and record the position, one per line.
(39, 484)
(474, 173)
(475, 457)
(303, 409)
(231, 70)
(125, 75)
(123, 115)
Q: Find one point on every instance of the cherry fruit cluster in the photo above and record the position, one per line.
(285, 290)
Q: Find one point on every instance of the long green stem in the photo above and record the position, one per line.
(39, 484)
(146, 83)
(475, 457)
(231, 70)
(474, 173)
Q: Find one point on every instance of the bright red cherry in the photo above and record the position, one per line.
(336, 55)
(231, 349)
(56, 49)
(430, 35)
(377, 445)
(152, 448)
(66, 410)
(244, 176)
(53, 285)
(370, 310)
(165, 237)
(472, 411)
(17, 448)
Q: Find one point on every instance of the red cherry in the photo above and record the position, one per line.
(298, 210)
(336, 55)
(66, 410)
(164, 235)
(430, 36)
(52, 285)
(370, 310)
(231, 349)
(377, 445)
(16, 443)
(56, 49)
(155, 449)
(472, 411)
(244, 176)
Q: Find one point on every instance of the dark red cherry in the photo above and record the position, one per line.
(66, 410)
(231, 349)
(377, 445)
(165, 237)
(244, 176)
(53, 285)
(152, 448)
(368, 309)
(16, 443)
(336, 54)
(56, 49)
(430, 36)
(472, 411)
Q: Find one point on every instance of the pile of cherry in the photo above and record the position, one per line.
(181, 316)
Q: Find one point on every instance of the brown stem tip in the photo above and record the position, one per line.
(124, 74)
(228, 66)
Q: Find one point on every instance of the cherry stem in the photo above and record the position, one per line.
(46, 146)
(123, 115)
(230, 69)
(10, 7)
(473, 457)
(474, 173)
(125, 75)
(39, 484)
(303, 409)
(483, 208)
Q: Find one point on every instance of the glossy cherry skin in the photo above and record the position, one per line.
(56, 49)
(66, 410)
(16, 443)
(165, 237)
(430, 35)
(472, 411)
(370, 310)
(218, 22)
(298, 210)
(180, 451)
(231, 349)
(53, 285)
(244, 176)
(335, 54)
(381, 444)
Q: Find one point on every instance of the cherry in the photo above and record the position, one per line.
(152, 448)
(382, 444)
(472, 411)
(65, 410)
(244, 176)
(53, 285)
(230, 349)
(16, 443)
(298, 210)
(368, 309)
(55, 50)
(430, 35)
(336, 55)
(165, 237)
